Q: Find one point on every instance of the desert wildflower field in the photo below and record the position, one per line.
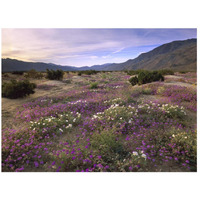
(101, 123)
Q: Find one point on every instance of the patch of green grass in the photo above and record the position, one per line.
(94, 85)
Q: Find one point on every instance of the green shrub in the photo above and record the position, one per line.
(135, 72)
(93, 85)
(146, 91)
(15, 89)
(183, 72)
(55, 75)
(166, 72)
(107, 143)
(5, 75)
(18, 72)
(148, 77)
(87, 72)
(33, 74)
(133, 80)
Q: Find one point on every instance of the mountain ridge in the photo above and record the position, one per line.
(176, 55)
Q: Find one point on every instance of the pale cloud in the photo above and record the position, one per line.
(119, 50)
(107, 56)
(93, 57)
(83, 46)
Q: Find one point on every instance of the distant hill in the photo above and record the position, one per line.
(9, 65)
(96, 67)
(177, 55)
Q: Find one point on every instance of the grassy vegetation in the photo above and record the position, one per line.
(93, 85)
(105, 126)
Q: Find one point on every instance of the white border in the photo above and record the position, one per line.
(99, 14)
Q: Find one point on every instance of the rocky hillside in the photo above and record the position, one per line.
(177, 55)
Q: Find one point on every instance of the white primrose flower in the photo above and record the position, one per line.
(60, 130)
(135, 153)
(144, 156)
(95, 116)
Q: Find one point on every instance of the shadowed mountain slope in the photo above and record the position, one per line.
(177, 55)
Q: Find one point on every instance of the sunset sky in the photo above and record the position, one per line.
(85, 47)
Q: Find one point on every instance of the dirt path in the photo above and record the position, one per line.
(179, 84)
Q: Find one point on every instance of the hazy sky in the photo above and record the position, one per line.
(85, 47)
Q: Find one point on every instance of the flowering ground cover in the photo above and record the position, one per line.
(113, 128)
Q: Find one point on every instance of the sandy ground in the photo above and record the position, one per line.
(9, 106)
(180, 84)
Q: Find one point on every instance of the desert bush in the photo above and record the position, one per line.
(55, 75)
(148, 77)
(87, 72)
(107, 144)
(94, 85)
(133, 80)
(5, 75)
(183, 72)
(135, 72)
(33, 74)
(166, 72)
(18, 72)
(147, 91)
(18, 89)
